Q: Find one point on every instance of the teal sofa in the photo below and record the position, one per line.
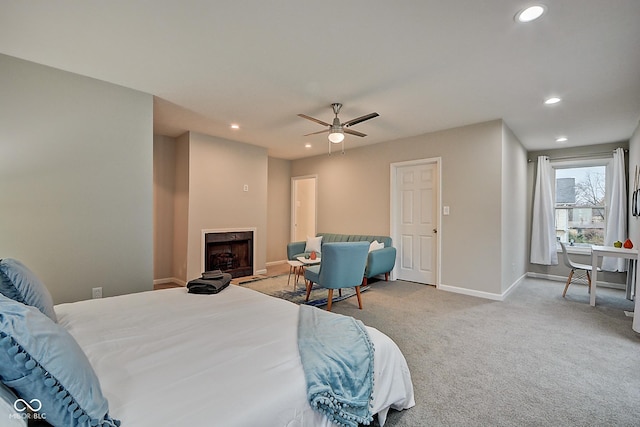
(380, 261)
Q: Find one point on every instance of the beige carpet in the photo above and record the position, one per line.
(535, 359)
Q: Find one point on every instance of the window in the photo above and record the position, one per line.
(580, 195)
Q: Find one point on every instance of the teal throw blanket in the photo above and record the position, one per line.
(337, 357)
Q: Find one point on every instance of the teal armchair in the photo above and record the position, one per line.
(342, 266)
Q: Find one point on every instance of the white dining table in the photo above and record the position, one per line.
(598, 252)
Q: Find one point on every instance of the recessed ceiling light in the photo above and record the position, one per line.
(235, 126)
(530, 13)
(552, 100)
(562, 139)
(307, 145)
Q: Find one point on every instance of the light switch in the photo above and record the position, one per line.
(246, 187)
(445, 210)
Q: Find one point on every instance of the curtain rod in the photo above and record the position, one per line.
(581, 156)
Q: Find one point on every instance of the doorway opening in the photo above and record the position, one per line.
(303, 207)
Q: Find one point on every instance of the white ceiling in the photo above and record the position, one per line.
(423, 65)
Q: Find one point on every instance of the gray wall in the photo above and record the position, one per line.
(76, 180)
(278, 209)
(484, 183)
(634, 161)
(514, 209)
(181, 210)
(354, 197)
(198, 184)
(218, 171)
(164, 190)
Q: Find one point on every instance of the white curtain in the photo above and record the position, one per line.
(617, 219)
(543, 230)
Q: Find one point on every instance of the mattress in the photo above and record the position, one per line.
(168, 357)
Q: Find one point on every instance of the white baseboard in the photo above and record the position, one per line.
(183, 283)
(482, 294)
(563, 279)
(514, 285)
(470, 292)
(169, 280)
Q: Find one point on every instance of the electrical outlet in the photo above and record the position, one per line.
(96, 292)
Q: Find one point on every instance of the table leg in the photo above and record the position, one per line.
(300, 273)
(635, 280)
(631, 278)
(594, 277)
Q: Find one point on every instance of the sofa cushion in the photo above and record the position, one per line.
(375, 245)
(312, 273)
(334, 237)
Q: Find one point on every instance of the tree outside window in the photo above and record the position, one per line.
(580, 205)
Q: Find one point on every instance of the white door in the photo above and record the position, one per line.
(303, 218)
(416, 222)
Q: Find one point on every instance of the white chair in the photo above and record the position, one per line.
(574, 266)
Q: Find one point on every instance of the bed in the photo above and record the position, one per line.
(168, 357)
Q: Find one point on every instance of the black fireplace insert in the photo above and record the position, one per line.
(231, 252)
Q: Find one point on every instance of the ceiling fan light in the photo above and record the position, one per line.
(336, 137)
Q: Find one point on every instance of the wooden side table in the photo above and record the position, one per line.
(295, 268)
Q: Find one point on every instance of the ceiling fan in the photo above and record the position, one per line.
(336, 129)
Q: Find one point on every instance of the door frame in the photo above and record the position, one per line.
(293, 203)
(394, 208)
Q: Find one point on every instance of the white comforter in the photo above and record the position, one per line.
(172, 358)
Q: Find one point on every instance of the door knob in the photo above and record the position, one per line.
(435, 230)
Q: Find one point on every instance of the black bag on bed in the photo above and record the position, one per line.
(209, 283)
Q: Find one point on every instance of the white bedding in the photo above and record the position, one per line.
(172, 358)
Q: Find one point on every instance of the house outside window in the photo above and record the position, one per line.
(580, 201)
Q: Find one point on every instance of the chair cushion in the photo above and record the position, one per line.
(312, 273)
(20, 284)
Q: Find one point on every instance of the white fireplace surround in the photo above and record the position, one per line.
(227, 230)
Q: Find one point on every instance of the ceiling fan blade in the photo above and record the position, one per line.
(360, 119)
(354, 132)
(320, 131)
(304, 116)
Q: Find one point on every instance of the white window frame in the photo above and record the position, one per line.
(587, 162)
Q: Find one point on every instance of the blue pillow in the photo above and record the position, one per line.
(10, 416)
(44, 365)
(19, 283)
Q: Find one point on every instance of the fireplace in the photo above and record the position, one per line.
(231, 252)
